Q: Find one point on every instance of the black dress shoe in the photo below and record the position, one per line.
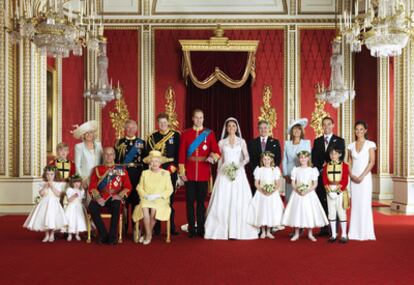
(174, 233)
(103, 240)
(322, 233)
(191, 234)
(332, 239)
(200, 235)
(343, 240)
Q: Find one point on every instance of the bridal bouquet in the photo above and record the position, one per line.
(230, 170)
(269, 188)
(302, 188)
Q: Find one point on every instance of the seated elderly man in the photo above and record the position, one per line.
(154, 190)
(109, 187)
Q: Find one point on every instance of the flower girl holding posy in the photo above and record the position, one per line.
(266, 207)
(304, 209)
(75, 211)
(48, 215)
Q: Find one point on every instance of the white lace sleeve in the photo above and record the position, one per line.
(221, 160)
(246, 157)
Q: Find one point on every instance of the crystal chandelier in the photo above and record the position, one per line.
(54, 30)
(102, 92)
(385, 31)
(336, 94)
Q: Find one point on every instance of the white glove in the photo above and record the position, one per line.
(332, 195)
(152, 197)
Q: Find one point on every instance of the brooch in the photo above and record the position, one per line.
(205, 147)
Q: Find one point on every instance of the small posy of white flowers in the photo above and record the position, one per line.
(230, 170)
(302, 188)
(269, 188)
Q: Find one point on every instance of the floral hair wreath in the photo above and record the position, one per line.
(50, 168)
(304, 153)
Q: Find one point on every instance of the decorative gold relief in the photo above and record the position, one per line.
(119, 117)
(267, 112)
(170, 108)
(219, 43)
(52, 112)
(318, 114)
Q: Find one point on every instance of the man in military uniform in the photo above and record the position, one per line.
(167, 142)
(198, 151)
(109, 186)
(130, 152)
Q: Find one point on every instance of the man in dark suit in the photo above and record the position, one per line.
(261, 144)
(320, 156)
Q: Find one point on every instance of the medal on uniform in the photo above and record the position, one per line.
(205, 147)
(171, 141)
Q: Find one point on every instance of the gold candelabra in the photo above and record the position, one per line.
(119, 116)
(319, 113)
(170, 108)
(267, 112)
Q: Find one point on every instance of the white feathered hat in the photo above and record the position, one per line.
(89, 126)
(302, 122)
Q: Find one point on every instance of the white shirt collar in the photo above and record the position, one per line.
(327, 136)
(265, 138)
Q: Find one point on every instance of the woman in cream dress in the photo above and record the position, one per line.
(154, 190)
(88, 153)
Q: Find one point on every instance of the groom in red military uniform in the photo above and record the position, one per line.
(198, 151)
(109, 186)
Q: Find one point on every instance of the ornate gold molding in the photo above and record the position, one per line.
(383, 116)
(292, 108)
(284, 12)
(3, 90)
(170, 108)
(119, 117)
(175, 21)
(267, 112)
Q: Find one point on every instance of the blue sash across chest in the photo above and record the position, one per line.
(196, 143)
(130, 155)
(107, 178)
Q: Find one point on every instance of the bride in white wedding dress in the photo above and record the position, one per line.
(229, 202)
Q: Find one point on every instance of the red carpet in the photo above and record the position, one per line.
(389, 260)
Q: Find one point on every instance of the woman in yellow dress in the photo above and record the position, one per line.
(154, 190)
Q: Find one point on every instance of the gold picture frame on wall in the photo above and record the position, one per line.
(51, 110)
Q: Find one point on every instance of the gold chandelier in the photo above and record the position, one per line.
(56, 30)
(385, 29)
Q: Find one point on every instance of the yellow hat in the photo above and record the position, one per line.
(155, 154)
(89, 126)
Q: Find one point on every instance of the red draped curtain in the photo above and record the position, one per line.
(219, 101)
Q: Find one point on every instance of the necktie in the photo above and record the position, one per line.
(263, 144)
(326, 142)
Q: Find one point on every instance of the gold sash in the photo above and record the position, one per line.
(161, 144)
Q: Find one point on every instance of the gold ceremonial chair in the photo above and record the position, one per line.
(137, 232)
(105, 215)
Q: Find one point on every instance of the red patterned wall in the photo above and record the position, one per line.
(123, 55)
(366, 92)
(72, 97)
(269, 67)
(315, 53)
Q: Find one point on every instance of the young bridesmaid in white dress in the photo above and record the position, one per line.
(48, 216)
(266, 207)
(304, 210)
(361, 158)
(75, 211)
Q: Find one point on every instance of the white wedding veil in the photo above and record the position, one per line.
(224, 131)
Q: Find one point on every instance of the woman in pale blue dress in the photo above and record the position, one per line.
(296, 144)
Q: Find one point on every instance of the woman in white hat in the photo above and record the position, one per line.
(296, 144)
(154, 190)
(88, 153)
